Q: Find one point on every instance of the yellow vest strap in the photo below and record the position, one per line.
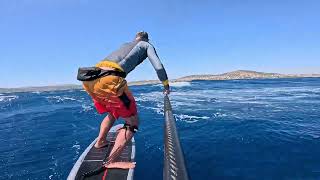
(165, 83)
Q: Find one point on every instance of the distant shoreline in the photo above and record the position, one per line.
(240, 74)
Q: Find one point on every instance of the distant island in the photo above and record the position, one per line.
(240, 74)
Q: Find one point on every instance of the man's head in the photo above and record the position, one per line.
(142, 36)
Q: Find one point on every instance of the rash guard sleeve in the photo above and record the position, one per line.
(157, 65)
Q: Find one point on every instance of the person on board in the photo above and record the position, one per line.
(110, 93)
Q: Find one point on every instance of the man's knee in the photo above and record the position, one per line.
(132, 120)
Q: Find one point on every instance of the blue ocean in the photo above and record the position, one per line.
(233, 129)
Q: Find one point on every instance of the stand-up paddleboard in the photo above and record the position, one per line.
(92, 159)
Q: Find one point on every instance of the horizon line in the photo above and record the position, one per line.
(137, 81)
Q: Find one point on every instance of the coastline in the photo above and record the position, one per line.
(234, 75)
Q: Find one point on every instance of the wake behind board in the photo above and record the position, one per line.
(92, 158)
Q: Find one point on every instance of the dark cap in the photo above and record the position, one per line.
(143, 35)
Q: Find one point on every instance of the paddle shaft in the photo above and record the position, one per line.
(174, 164)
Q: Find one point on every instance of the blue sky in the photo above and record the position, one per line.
(44, 42)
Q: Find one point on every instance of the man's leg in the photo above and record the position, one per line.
(105, 127)
(124, 136)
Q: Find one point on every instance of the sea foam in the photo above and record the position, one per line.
(4, 98)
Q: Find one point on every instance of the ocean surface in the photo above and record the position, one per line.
(234, 129)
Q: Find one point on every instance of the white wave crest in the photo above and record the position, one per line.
(60, 99)
(218, 114)
(149, 97)
(86, 108)
(141, 99)
(158, 110)
(190, 118)
(180, 84)
(8, 98)
(76, 146)
(176, 84)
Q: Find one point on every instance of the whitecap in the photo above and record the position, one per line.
(60, 99)
(140, 99)
(68, 98)
(191, 121)
(86, 108)
(8, 98)
(180, 84)
(219, 114)
(76, 146)
(190, 118)
(151, 97)
(177, 84)
(158, 110)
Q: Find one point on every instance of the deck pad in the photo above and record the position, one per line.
(93, 158)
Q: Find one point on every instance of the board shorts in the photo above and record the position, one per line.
(105, 92)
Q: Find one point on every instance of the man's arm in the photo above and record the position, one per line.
(157, 65)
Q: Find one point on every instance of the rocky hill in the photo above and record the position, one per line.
(244, 74)
(240, 74)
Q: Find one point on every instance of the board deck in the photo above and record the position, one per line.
(92, 158)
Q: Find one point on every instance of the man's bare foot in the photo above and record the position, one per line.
(121, 165)
(100, 143)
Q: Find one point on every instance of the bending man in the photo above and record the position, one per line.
(111, 94)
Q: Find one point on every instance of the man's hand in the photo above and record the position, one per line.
(166, 91)
(166, 87)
